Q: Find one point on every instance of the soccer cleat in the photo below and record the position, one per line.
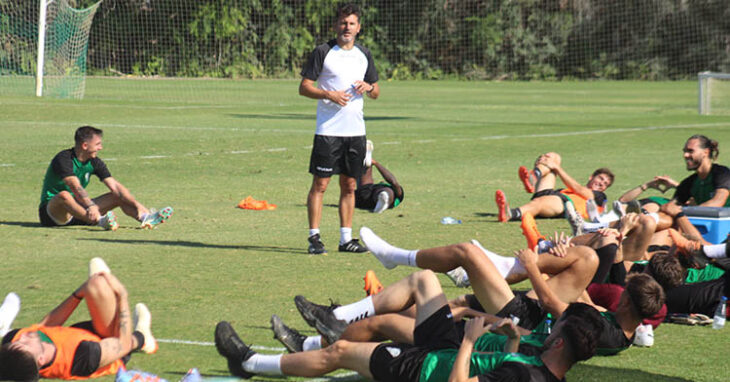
(504, 212)
(574, 218)
(321, 318)
(109, 221)
(142, 324)
(352, 246)
(233, 348)
(633, 207)
(592, 210)
(290, 338)
(372, 284)
(8, 311)
(690, 250)
(306, 307)
(155, 218)
(459, 277)
(377, 246)
(528, 179)
(644, 336)
(529, 229)
(618, 209)
(383, 202)
(97, 265)
(316, 247)
(368, 161)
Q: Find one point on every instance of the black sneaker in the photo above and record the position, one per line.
(233, 348)
(290, 338)
(352, 246)
(306, 309)
(321, 318)
(316, 247)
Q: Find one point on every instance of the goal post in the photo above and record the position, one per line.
(713, 93)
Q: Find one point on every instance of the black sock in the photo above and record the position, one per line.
(606, 255)
(515, 214)
(140, 339)
(537, 172)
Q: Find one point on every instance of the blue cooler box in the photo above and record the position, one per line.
(712, 222)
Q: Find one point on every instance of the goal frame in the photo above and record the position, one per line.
(704, 93)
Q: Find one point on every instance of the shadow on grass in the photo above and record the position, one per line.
(583, 372)
(197, 244)
(22, 224)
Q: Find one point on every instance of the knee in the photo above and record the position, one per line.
(647, 222)
(587, 257)
(65, 196)
(465, 250)
(97, 286)
(335, 351)
(421, 278)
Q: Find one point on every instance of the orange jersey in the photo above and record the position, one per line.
(66, 340)
(579, 202)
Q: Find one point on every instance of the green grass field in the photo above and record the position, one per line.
(451, 144)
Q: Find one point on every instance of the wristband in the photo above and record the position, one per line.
(679, 215)
(76, 296)
(643, 187)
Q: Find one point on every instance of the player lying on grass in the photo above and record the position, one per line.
(377, 197)
(87, 349)
(548, 202)
(708, 186)
(433, 356)
(64, 200)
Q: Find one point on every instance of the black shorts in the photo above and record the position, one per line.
(698, 297)
(557, 193)
(337, 155)
(47, 221)
(396, 362)
(366, 197)
(528, 310)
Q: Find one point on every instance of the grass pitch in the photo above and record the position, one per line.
(451, 144)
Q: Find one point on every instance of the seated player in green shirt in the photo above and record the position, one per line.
(64, 200)
(434, 351)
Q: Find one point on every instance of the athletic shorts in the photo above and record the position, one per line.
(394, 362)
(700, 297)
(337, 155)
(557, 193)
(528, 310)
(47, 220)
(366, 197)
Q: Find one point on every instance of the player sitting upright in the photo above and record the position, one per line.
(547, 202)
(64, 200)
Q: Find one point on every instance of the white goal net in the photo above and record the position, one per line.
(714, 93)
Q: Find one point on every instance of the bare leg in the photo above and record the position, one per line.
(638, 239)
(391, 326)
(102, 304)
(342, 354)
(347, 200)
(570, 282)
(547, 206)
(314, 200)
(63, 206)
(421, 288)
(489, 286)
(109, 201)
(367, 177)
(547, 179)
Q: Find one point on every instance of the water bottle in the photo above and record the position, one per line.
(718, 322)
(548, 326)
(450, 220)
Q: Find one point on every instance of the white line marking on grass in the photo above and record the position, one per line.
(276, 149)
(154, 156)
(603, 131)
(7, 164)
(390, 143)
(241, 152)
(206, 343)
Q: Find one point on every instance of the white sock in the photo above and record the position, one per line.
(313, 231)
(593, 227)
(505, 265)
(608, 217)
(388, 255)
(312, 343)
(144, 216)
(355, 311)
(716, 251)
(8, 311)
(655, 216)
(263, 364)
(345, 235)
